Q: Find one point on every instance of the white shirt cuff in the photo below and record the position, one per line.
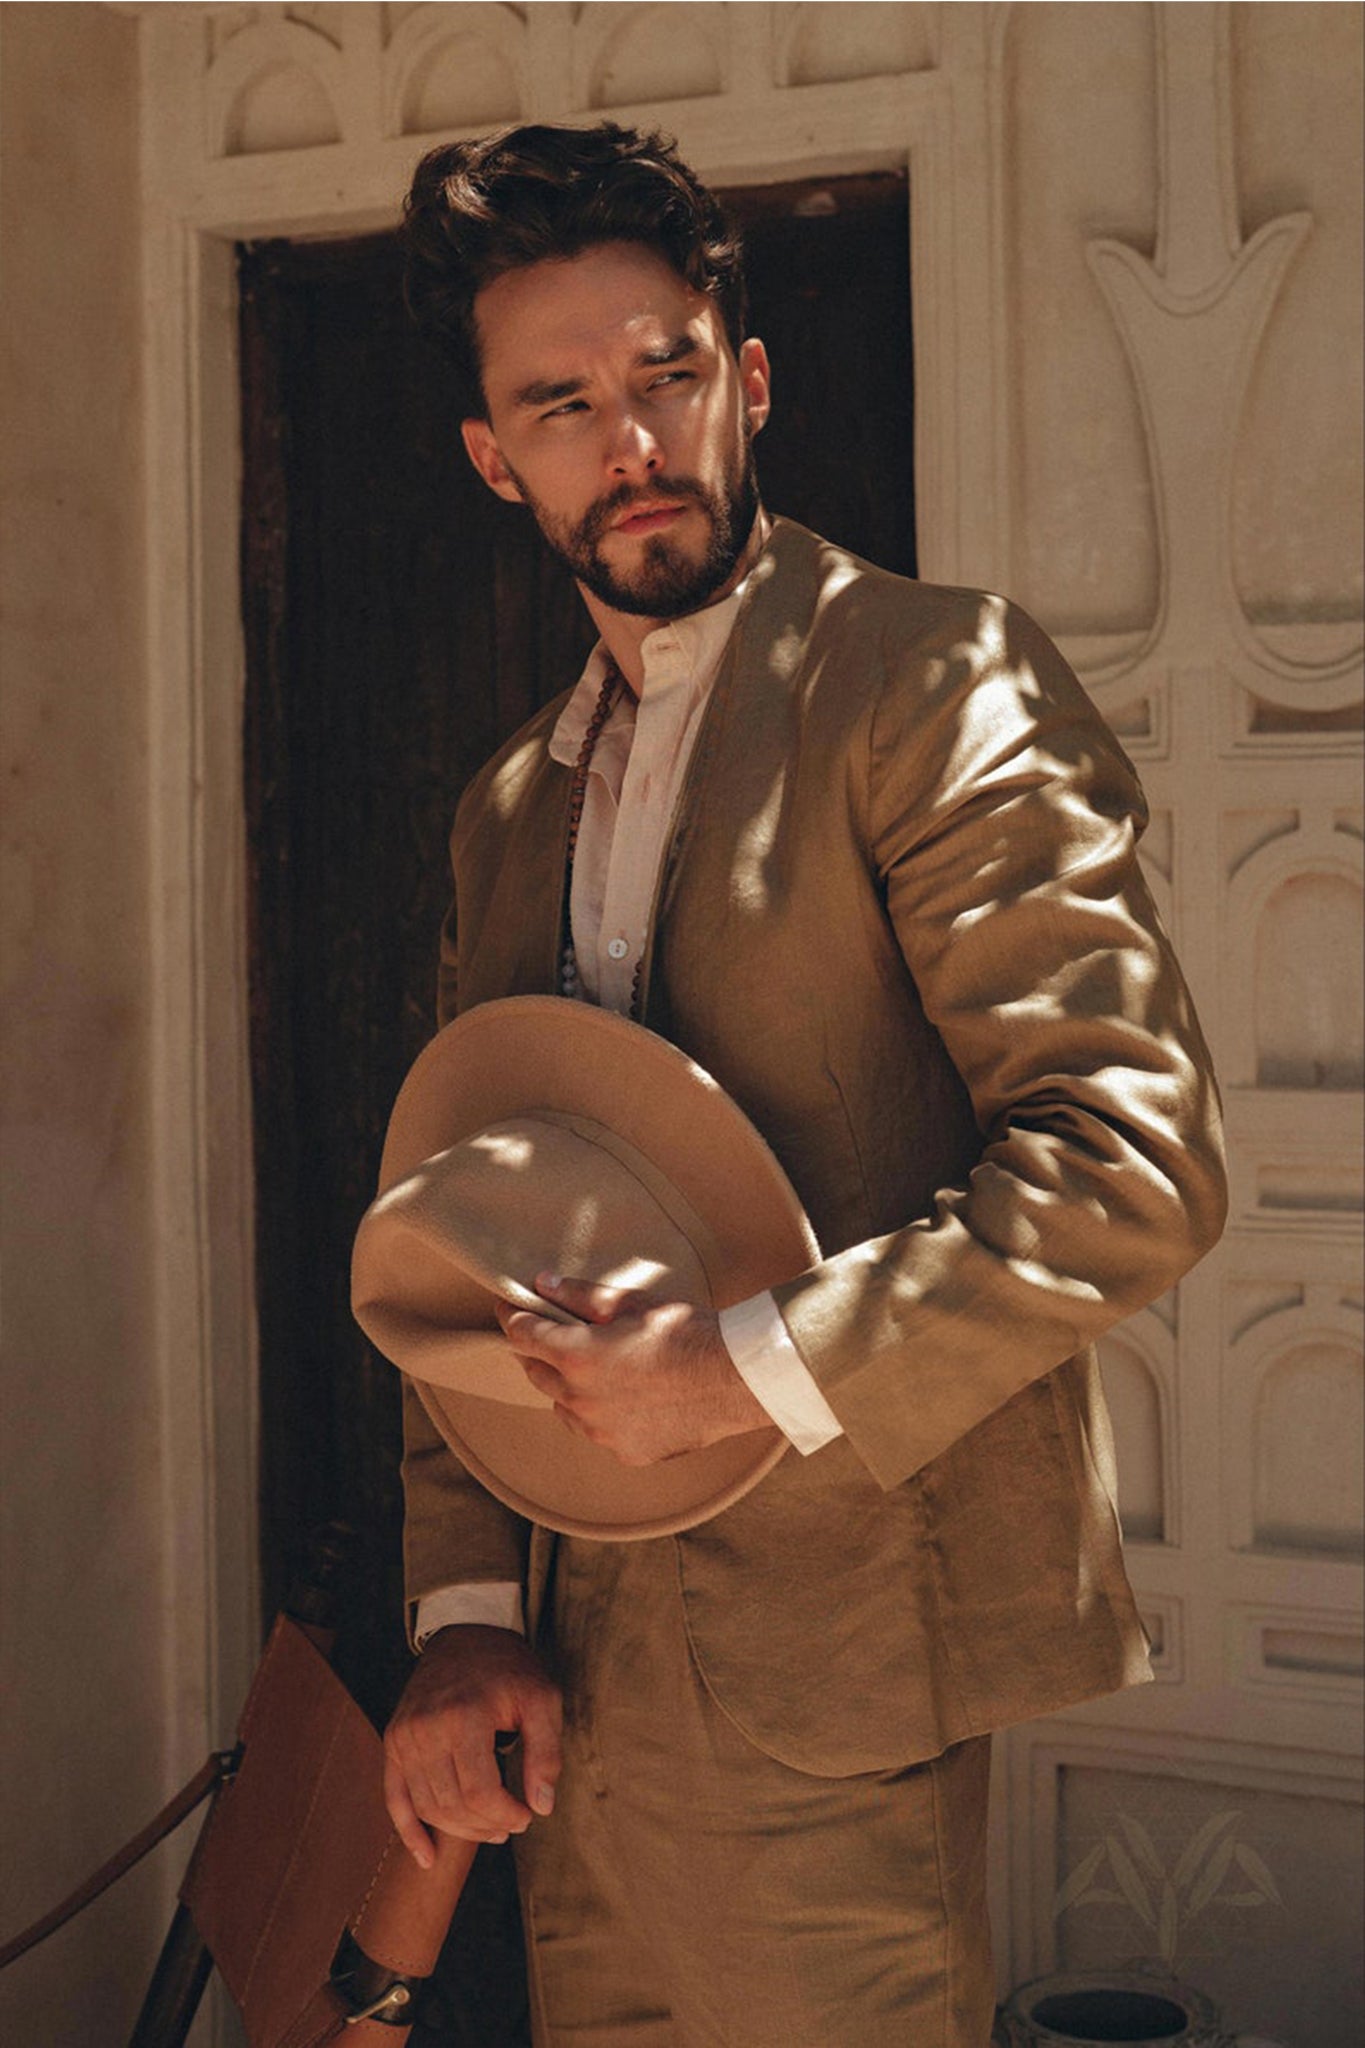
(496, 1603)
(775, 1373)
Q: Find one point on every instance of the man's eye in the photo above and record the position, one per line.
(673, 377)
(560, 412)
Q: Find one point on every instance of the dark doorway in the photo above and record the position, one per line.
(400, 623)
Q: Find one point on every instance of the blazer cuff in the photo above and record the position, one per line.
(494, 1603)
(775, 1373)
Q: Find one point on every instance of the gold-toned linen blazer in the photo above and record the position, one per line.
(901, 920)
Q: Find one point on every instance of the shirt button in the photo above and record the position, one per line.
(617, 948)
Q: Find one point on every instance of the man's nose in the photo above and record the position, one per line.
(633, 450)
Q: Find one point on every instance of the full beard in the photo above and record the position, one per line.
(668, 581)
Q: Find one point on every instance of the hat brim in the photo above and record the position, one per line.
(527, 1053)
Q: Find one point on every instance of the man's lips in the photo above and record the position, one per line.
(647, 518)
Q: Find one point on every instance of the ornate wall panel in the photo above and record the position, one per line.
(1232, 667)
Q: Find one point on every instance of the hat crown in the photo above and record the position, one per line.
(545, 1191)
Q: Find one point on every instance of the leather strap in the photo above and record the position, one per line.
(210, 1775)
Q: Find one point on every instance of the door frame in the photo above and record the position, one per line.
(932, 124)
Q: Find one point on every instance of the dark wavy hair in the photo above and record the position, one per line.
(478, 209)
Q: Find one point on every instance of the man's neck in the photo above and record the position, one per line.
(624, 633)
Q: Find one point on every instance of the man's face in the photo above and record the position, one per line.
(619, 415)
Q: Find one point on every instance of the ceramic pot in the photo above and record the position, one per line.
(1083, 2009)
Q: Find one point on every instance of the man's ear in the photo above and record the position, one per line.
(755, 378)
(483, 451)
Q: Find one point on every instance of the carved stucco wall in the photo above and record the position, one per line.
(1181, 420)
(1136, 237)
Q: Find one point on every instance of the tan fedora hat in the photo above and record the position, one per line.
(538, 1134)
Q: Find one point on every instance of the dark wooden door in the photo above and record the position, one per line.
(400, 623)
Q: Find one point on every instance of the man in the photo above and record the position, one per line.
(863, 849)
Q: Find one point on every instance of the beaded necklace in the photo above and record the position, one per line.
(570, 982)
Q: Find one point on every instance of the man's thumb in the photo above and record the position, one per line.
(541, 1758)
(585, 1299)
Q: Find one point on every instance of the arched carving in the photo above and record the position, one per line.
(1293, 1437)
(284, 107)
(1307, 984)
(654, 52)
(461, 82)
(276, 85)
(1297, 1023)
(442, 74)
(1307, 1494)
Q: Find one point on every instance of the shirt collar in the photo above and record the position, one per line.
(687, 650)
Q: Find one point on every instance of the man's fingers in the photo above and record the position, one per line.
(452, 1791)
(411, 1833)
(434, 1788)
(484, 1797)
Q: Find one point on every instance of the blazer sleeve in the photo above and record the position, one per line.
(454, 1531)
(1002, 821)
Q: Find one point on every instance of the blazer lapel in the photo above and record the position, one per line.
(517, 948)
(765, 649)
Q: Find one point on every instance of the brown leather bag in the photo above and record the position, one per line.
(298, 1865)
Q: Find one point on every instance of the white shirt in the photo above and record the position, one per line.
(639, 765)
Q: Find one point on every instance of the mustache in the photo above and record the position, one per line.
(636, 497)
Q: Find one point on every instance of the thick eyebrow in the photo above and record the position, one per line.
(544, 391)
(675, 351)
(540, 392)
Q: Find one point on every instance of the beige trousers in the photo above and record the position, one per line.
(691, 1892)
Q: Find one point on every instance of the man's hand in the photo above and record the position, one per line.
(439, 1764)
(645, 1382)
